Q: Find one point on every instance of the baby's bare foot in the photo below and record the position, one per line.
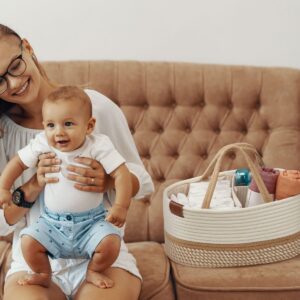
(43, 279)
(99, 279)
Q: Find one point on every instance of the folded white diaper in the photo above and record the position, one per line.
(222, 198)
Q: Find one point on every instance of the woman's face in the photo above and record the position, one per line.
(23, 89)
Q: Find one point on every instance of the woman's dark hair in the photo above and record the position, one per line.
(4, 32)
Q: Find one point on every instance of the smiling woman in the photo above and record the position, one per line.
(21, 104)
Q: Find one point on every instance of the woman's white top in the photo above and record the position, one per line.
(109, 121)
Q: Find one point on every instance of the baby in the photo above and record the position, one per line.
(74, 223)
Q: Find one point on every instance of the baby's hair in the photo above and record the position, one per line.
(71, 93)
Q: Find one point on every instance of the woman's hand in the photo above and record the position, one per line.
(48, 163)
(91, 178)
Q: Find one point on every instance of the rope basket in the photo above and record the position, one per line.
(204, 237)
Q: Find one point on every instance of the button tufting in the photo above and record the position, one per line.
(244, 131)
(232, 155)
(267, 128)
(230, 105)
(217, 130)
(188, 130)
(160, 130)
(174, 104)
(202, 103)
(204, 156)
(258, 104)
(146, 105)
(146, 202)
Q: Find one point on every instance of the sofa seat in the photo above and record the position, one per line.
(155, 270)
(277, 281)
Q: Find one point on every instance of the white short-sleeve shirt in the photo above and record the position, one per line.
(62, 196)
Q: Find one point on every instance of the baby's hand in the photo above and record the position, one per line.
(5, 198)
(117, 215)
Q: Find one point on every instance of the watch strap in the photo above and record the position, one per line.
(18, 198)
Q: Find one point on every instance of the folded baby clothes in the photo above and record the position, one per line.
(288, 184)
(269, 177)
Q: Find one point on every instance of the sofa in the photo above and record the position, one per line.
(180, 114)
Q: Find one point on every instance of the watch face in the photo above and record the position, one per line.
(17, 197)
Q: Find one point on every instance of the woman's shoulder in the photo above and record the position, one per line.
(101, 104)
(99, 99)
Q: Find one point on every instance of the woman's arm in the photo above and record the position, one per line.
(31, 189)
(14, 168)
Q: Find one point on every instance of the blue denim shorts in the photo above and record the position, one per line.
(71, 235)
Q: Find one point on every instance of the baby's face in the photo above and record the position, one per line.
(66, 125)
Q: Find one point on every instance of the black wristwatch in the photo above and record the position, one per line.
(18, 198)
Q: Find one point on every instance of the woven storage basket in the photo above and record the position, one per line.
(204, 237)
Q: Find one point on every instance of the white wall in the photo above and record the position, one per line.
(253, 32)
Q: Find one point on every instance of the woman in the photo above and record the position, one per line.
(23, 86)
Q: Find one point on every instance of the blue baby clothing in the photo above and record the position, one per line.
(71, 235)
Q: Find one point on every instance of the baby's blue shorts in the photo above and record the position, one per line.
(71, 235)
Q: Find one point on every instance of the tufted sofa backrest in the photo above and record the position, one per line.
(180, 114)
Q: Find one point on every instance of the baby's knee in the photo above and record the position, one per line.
(110, 245)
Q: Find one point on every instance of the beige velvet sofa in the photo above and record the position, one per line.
(180, 114)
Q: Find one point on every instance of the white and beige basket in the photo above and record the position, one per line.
(204, 237)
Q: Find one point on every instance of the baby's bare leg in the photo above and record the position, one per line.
(36, 257)
(105, 254)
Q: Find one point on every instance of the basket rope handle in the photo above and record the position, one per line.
(243, 148)
(248, 147)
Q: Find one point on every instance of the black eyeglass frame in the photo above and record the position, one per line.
(2, 77)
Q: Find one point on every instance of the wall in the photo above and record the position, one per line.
(253, 32)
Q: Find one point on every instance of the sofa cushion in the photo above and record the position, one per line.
(155, 270)
(272, 281)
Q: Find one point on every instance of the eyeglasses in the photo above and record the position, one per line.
(16, 68)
